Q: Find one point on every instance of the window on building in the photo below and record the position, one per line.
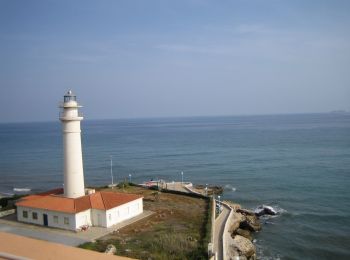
(35, 215)
(25, 214)
(66, 220)
(55, 219)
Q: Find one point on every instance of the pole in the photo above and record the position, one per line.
(112, 169)
(182, 177)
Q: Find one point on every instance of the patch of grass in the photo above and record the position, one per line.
(93, 246)
(179, 229)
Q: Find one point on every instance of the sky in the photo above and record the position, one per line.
(135, 59)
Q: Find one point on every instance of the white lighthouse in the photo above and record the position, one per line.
(72, 152)
(69, 208)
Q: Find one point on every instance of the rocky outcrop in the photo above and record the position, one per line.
(244, 233)
(236, 220)
(251, 223)
(243, 222)
(242, 246)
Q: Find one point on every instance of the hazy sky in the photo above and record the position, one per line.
(173, 58)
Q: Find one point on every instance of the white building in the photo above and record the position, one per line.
(71, 208)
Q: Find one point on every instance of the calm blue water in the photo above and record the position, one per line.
(299, 164)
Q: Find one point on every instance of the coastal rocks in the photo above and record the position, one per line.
(246, 220)
(265, 210)
(236, 220)
(244, 233)
(243, 246)
(251, 223)
(243, 222)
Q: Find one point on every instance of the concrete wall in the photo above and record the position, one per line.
(7, 212)
(226, 236)
(71, 225)
(213, 212)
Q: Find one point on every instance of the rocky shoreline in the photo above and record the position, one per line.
(243, 223)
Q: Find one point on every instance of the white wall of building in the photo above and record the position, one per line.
(98, 218)
(91, 217)
(124, 212)
(54, 218)
(83, 218)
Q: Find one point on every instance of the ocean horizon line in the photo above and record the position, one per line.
(182, 117)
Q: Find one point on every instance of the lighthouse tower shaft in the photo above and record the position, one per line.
(72, 152)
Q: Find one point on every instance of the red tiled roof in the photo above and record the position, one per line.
(111, 199)
(100, 200)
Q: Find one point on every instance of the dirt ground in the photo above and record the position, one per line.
(19, 247)
(174, 231)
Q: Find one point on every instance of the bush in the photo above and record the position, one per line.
(8, 202)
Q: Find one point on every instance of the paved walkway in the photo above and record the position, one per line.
(66, 237)
(220, 222)
(42, 233)
(177, 186)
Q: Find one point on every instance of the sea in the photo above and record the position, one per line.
(298, 164)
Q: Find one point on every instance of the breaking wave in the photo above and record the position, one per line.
(22, 189)
(277, 210)
(229, 187)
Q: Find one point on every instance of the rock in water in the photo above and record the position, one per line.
(265, 210)
(243, 246)
(251, 223)
(270, 210)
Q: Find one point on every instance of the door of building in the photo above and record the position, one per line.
(45, 219)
